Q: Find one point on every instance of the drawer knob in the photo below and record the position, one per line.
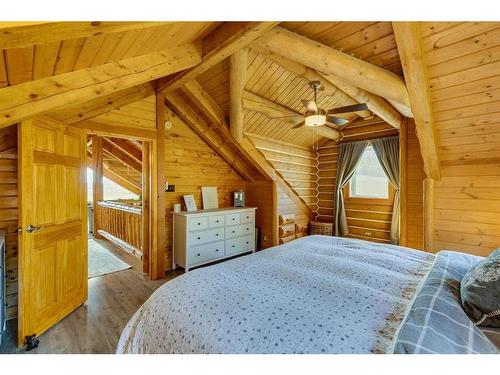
(216, 249)
(232, 231)
(248, 228)
(247, 242)
(232, 246)
(198, 255)
(233, 219)
(217, 234)
(199, 223)
(217, 221)
(199, 238)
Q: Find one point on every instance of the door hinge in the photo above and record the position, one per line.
(31, 342)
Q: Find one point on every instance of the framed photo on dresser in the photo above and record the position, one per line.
(190, 203)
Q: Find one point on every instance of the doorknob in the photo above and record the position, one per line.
(32, 228)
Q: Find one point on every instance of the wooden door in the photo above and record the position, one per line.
(52, 220)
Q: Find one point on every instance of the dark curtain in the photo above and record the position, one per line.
(387, 150)
(349, 156)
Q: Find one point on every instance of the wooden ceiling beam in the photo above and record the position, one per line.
(219, 143)
(340, 97)
(322, 58)
(109, 173)
(119, 154)
(374, 102)
(202, 99)
(26, 34)
(132, 149)
(409, 42)
(217, 46)
(104, 104)
(210, 108)
(112, 130)
(273, 110)
(331, 82)
(237, 80)
(52, 93)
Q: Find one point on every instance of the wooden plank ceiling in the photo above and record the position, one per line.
(370, 41)
(18, 65)
(266, 77)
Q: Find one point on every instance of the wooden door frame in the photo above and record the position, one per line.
(148, 195)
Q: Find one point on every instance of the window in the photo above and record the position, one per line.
(369, 179)
(111, 190)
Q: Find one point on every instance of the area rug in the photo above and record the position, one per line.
(102, 261)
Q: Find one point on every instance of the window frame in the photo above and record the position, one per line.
(369, 200)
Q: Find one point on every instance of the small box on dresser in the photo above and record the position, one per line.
(207, 236)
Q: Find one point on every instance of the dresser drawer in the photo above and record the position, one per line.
(197, 223)
(233, 219)
(248, 217)
(239, 230)
(216, 221)
(239, 245)
(205, 236)
(206, 253)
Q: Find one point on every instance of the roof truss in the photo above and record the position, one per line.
(48, 94)
(219, 45)
(409, 41)
(24, 34)
(330, 61)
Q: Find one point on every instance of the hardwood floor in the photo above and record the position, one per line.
(95, 327)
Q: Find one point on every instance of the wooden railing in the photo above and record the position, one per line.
(122, 224)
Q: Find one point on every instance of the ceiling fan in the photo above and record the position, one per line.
(316, 116)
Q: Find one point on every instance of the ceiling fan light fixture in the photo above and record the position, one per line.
(315, 120)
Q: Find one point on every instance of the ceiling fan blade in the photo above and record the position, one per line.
(310, 105)
(348, 108)
(336, 120)
(299, 125)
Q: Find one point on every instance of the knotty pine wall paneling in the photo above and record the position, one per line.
(260, 194)
(415, 190)
(297, 165)
(191, 164)
(463, 66)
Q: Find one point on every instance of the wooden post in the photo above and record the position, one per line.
(146, 198)
(429, 215)
(403, 183)
(411, 51)
(158, 202)
(97, 171)
(237, 80)
(275, 214)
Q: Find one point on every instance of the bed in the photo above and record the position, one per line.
(317, 294)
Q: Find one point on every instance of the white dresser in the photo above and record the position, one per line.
(205, 236)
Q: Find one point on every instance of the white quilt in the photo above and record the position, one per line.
(317, 294)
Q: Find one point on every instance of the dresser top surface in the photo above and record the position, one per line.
(214, 210)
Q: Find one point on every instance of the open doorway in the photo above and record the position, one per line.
(115, 212)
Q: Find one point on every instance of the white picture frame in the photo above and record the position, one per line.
(190, 203)
(209, 197)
